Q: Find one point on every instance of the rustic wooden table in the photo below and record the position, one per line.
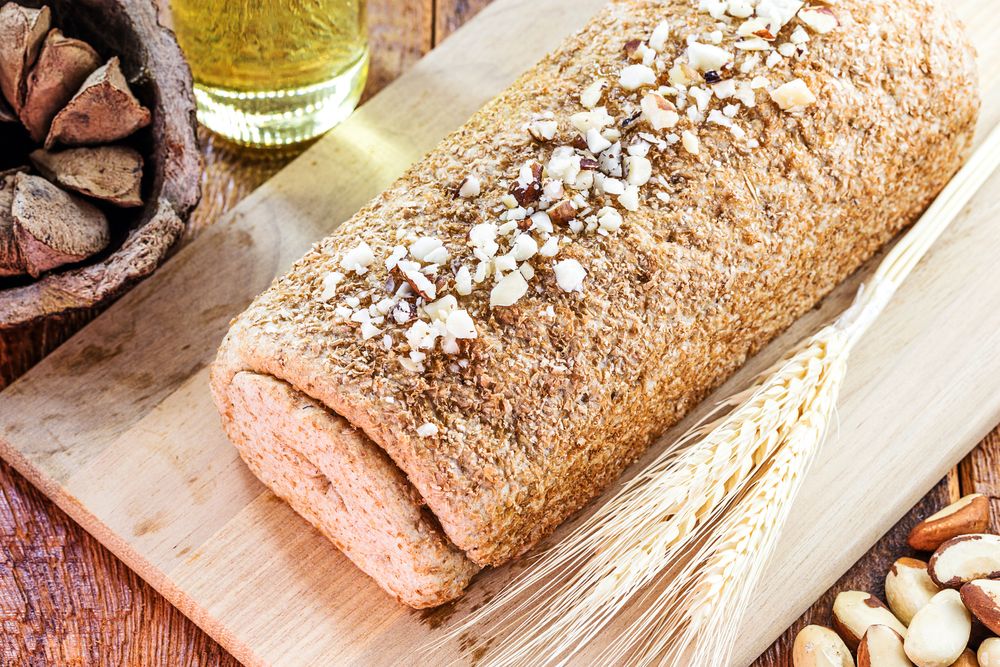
(66, 600)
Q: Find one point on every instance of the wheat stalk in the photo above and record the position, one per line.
(730, 563)
(691, 534)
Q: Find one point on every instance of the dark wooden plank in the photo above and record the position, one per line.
(401, 31)
(65, 600)
(979, 472)
(868, 574)
(450, 14)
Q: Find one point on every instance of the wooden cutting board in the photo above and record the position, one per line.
(118, 428)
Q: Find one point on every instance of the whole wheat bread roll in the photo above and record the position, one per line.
(425, 463)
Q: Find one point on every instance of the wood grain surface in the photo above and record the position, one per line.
(66, 600)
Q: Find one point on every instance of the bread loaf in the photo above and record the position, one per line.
(489, 343)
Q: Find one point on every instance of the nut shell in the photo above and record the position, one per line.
(969, 514)
(940, 631)
(22, 31)
(966, 558)
(62, 67)
(52, 227)
(818, 646)
(989, 653)
(908, 587)
(882, 647)
(855, 611)
(159, 77)
(11, 261)
(103, 111)
(982, 598)
(109, 173)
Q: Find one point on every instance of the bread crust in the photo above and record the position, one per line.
(552, 407)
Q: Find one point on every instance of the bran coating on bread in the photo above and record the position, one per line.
(563, 390)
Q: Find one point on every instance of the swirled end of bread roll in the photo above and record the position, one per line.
(333, 475)
(499, 382)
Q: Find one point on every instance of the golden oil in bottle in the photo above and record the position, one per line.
(273, 72)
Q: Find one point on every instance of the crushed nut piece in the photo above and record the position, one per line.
(690, 142)
(470, 187)
(562, 212)
(509, 290)
(570, 275)
(427, 430)
(793, 95)
(820, 20)
(591, 95)
(634, 77)
(706, 57)
(528, 187)
(658, 111)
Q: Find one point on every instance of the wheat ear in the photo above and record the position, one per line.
(692, 533)
(682, 625)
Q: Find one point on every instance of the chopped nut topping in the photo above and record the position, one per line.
(525, 246)
(403, 312)
(358, 259)
(509, 290)
(463, 281)
(591, 95)
(706, 57)
(550, 248)
(793, 95)
(820, 20)
(418, 282)
(427, 430)
(690, 142)
(470, 187)
(429, 249)
(440, 309)
(659, 112)
(596, 141)
(584, 184)
(634, 77)
(740, 9)
(658, 40)
(799, 36)
(562, 212)
(609, 219)
(638, 170)
(528, 187)
(777, 13)
(570, 275)
(753, 44)
(543, 130)
(330, 282)
(460, 325)
(629, 198)
(597, 118)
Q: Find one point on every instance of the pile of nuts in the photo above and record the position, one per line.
(938, 611)
(76, 107)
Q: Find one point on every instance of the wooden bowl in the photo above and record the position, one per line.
(31, 313)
